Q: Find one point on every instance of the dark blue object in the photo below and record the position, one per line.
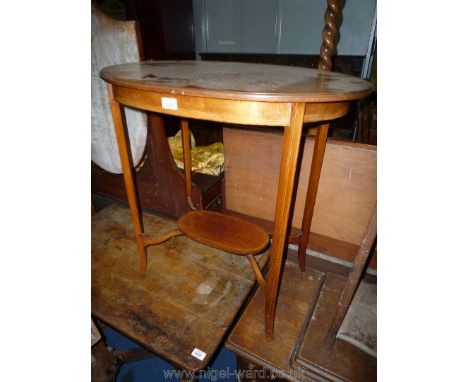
(221, 368)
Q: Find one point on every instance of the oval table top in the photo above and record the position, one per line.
(238, 81)
(224, 232)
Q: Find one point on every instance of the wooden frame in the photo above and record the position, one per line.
(352, 282)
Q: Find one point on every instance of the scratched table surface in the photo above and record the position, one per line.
(238, 81)
(187, 299)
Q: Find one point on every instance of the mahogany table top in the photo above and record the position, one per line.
(238, 81)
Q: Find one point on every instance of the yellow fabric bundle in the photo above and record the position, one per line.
(205, 159)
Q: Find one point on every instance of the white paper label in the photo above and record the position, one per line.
(197, 353)
(169, 103)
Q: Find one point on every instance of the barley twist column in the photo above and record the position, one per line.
(330, 33)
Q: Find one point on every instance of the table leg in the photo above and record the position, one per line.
(121, 133)
(314, 177)
(289, 155)
(187, 163)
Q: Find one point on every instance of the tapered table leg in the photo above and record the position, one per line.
(314, 177)
(129, 178)
(289, 155)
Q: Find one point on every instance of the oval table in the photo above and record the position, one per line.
(238, 93)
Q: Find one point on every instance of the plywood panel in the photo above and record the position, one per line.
(346, 194)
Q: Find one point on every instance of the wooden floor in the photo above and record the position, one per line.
(187, 299)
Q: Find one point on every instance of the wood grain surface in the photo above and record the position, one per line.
(238, 81)
(224, 232)
(345, 362)
(353, 280)
(247, 338)
(187, 299)
(346, 194)
(306, 306)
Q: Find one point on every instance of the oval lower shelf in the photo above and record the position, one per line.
(224, 232)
